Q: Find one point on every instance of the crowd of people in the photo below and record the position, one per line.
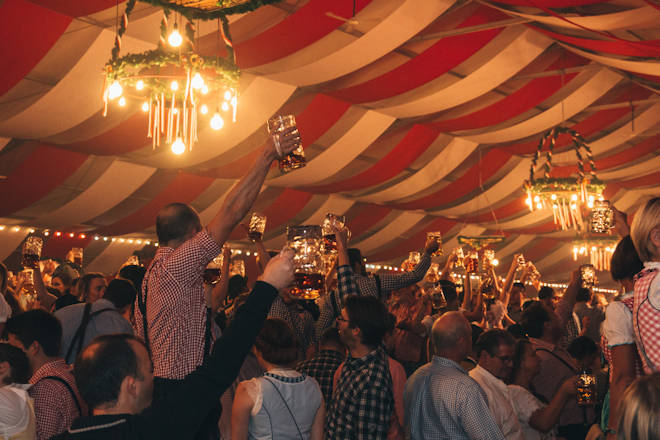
(158, 353)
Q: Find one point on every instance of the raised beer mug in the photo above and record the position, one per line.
(293, 160)
(309, 268)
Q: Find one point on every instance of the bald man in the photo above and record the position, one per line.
(441, 400)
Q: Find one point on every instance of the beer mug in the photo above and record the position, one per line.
(212, 272)
(412, 261)
(257, 227)
(237, 268)
(437, 236)
(27, 296)
(534, 274)
(309, 268)
(295, 159)
(586, 388)
(77, 255)
(32, 252)
(472, 262)
(602, 217)
(329, 239)
(521, 260)
(438, 300)
(433, 274)
(489, 256)
(460, 256)
(588, 275)
(133, 260)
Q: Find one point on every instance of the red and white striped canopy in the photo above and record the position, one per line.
(416, 116)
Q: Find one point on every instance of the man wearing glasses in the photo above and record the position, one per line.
(495, 349)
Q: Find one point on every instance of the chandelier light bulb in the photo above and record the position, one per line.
(145, 106)
(197, 81)
(115, 90)
(205, 89)
(178, 147)
(175, 39)
(553, 197)
(122, 101)
(204, 109)
(227, 95)
(217, 122)
(139, 85)
(174, 86)
(539, 206)
(495, 262)
(537, 199)
(225, 106)
(574, 197)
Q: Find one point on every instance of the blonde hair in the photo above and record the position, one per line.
(639, 410)
(647, 219)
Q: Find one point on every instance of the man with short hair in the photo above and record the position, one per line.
(362, 402)
(323, 366)
(83, 322)
(56, 399)
(495, 350)
(116, 379)
(441, 400)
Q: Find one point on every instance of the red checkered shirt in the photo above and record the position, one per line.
(54, 406)
(176, 309)
(646, 319)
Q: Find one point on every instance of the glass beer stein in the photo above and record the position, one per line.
(309, 268)
(438, 300)
(77, 255)
(433, 274)
(588, 275)
(602, 217)
(257, 227)
(27, 296)
(489, 256)
(437, 236)
(586, 388)
(237, 268)
(295, 159)
(412, 261)
(329, 239)
(472, 262)
(460, 256)
(212, 272)
(32, 252)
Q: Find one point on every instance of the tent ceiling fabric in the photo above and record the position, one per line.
(416, 116)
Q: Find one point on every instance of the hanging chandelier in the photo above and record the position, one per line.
(599, 250)
(174, 84)
(569, 198)
(479, 241)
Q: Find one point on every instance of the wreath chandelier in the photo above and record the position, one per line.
(569, 198)
(599, 250)
(174, 84)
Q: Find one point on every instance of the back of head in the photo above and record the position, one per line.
(449, 291)
(647, 222)
(534, 316)
(4, 277)
(37, 325)
(19, 365)
(134, 274)
(355, 257)
(519, 285)
(237, 285)
(66, 273)
(546, 292)
(121, 293)
(175, 221)
(330, 338)
(583, 294)
(581, 347)
(85, 283)
(102, 366)
(370, 315)
(640, 408)
(517, 331)
(277, 343)
(448, 330)
(625, 263)
(490, 340)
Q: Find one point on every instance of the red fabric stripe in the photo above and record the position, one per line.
(43, 170)
(539, 249)
(544, 228)
(27, 32)
(415, 242)
(184, 188)
(132, 132)
(523, 99)
(58, 247)
(516, 206)
(551, 3)
(297, 31)
(414, 143)
(433, 62)
(365, 217)
(468, 182)
(317, 118)
(78, 8)
(648, 180)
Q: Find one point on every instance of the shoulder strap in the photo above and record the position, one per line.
(378, 288)
(569, 366)
(285, 404)
(68, 387)
(142, 305)
(79, 335)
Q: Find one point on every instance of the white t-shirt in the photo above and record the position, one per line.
(618, 324)
(525, 404)
(15, 409)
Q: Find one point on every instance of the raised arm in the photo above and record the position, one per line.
(544, 419)
(508, 281)
(221, 289)
(392, 282)
(45, 299)
(449, 265)
(345, 276)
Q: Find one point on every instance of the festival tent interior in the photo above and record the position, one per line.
(415, 116)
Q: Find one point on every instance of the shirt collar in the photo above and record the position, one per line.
(48, 368)
(441, 361)
(105, 302)
(364, 360)
(652, 265)
(488, 377)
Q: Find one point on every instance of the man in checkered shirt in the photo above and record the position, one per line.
(172, 304)
(362, 401)
(56, 399)
(322, 367)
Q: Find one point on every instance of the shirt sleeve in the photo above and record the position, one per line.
(618, 324)
(475, 416)
(398, 384)
(5, 310)
(524, 402)
(392, 282)
(188, 261)
(14, 411)
(346, 281)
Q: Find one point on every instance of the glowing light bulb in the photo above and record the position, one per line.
(205, 89)
(574, 197)
(204, 109)
(225, 106)
(174, 86)
(122, 101)
(96, 237)
(178, 147)
(553, 197)
(115, 90)
(539, 206)
(573, 206)
(145, 106)
(227, 95)
(593, 248)
(590, 205)
(591, 199)
(197, 81)
(139, 85)
(495, 262)
(175, 111)
(528, 201)
(537, 199)
(217, 122)
(175, 39)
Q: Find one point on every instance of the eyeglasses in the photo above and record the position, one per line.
(505, 359)
(341, 319)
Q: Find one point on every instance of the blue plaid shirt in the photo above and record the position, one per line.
(442, 402)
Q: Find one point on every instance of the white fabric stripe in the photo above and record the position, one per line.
(646, 67)
(75, 98)
(390, 232)
(436, 170)
(631, 198)
(334, 205)
(515, 245)
(117, 183)
(509, 52)
(638, 170)
(3, 142)
(563, 253)
(9, 240)
(356, 139)
(529, 219)
(505, 186)
(391, 32)
(601, 81)
(207, 215)
(113, 256)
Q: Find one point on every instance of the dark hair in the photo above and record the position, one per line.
(491, 339)
(533, 319)
(120, 292)
(583, 294)
(519, 285)
(355, 257)
(37, 325)
(518, 356)
(102, 366)
(134, 274)
(546, 292)
(581, 347)
(237, 284)
(517, 331)
(19, 365)
(448, 290)
(625, 263)
(175, 220)
(330, 336)
(65, 277)
(86, 281)
(4, 274)
(476, 332)
(368, 314)
(277, 343)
